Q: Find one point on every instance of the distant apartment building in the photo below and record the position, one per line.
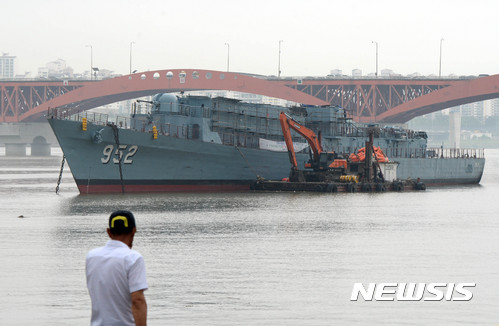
(57, 66)
(55, 69)
(43, 72)
(475, 110)
(336, 72)
(494, 107)
(7, 66)
(356, 73)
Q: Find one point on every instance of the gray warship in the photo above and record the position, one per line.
(203, 144)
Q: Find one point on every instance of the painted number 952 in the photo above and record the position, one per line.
(121, 150)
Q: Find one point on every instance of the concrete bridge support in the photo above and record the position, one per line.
(40, 147)
(15, 149)
(16, 136)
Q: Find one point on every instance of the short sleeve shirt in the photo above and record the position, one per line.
(113, 273)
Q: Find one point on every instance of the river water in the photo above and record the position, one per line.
(251, 258)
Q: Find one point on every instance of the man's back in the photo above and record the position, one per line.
(113, 273)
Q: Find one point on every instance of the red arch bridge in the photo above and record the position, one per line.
(366, 100)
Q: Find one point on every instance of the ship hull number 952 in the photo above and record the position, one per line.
(121, 153)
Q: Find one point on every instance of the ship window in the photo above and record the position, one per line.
(156, 75)
(222, 76)
(208, 75)
(195, 75)
(143, 76)
(169, 75)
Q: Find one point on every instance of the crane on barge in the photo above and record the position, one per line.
(333, 172)
(324, 165)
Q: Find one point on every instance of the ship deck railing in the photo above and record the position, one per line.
(422, 153)
(455, 152)
(249, 138)
(104, 119)
(93, 117)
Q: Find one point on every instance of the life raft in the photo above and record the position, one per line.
(361, 155)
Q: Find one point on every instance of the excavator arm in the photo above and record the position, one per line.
(288, 139)
(288, 123)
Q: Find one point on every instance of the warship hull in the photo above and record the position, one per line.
(128, 160)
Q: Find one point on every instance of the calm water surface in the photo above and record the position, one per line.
(251, 258)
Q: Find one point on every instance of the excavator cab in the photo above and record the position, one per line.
(325, 159)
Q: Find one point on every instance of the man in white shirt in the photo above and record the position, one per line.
(116, 276)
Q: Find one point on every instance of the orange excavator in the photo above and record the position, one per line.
(320, 160)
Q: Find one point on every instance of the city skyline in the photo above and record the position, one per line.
(303, 38)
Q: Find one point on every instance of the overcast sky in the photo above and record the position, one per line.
(317, 35)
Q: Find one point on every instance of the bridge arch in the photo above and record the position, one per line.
(384, 100)
(174, 80)
(469, 91)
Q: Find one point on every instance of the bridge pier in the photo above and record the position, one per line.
(17, 136)
(40, 147)
(15, 149)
